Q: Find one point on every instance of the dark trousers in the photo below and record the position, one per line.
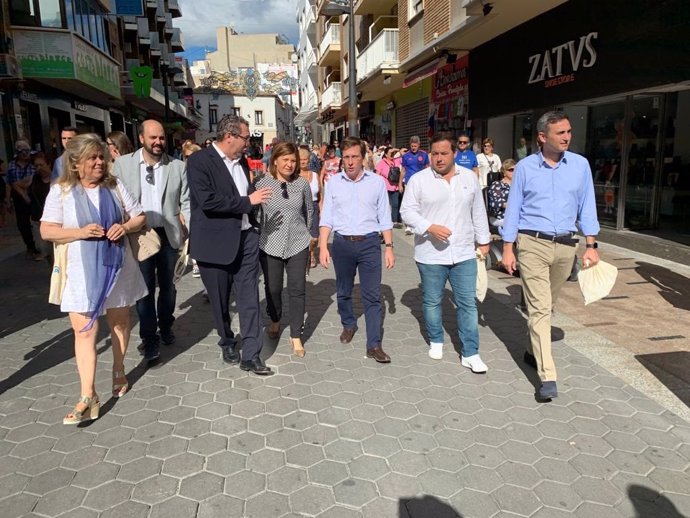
(22, 211)
(349, 258)
(159, 267)
(296, 268)
(394, 201)
(240, 277)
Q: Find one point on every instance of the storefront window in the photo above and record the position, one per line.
(674, 202)
(643, 137)
(523, 136)
(604, 149)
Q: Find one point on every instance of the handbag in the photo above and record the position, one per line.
(394, 175)
(145, 242)
(58, 277)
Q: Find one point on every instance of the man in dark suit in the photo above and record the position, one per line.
(224, 241)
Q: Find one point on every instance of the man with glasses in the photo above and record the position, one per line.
(465, 157)
(20, 172)
(224, 239)
(159, 183)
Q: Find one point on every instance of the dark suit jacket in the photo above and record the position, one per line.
(216, 208)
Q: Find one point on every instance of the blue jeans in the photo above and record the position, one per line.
(364, 256)
(463, 282)
(394, 201)
(161, 267)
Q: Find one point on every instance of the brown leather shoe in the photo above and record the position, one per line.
(377, 354)
(347, 334)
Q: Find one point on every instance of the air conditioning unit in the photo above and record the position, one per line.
(9, 66)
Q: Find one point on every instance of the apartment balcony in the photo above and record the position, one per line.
(332, 96)
(174, 8)
(380, 54)
(329, 48)
(130, 23)
(176, 41)
(151, 5)
(364, 7)
(155, 45)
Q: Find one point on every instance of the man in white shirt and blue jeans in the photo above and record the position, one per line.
(444, 205)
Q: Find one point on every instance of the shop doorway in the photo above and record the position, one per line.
(89, 125)
(31, 118)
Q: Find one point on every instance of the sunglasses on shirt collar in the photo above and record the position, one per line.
(283, 186)
(150, 179)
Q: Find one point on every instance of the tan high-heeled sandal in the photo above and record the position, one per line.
(120, 389)
(93, 406)
(297, 347)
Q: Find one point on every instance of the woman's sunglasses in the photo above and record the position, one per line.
(283, 186)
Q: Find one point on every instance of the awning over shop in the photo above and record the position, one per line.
(306, 116)
(422, 72)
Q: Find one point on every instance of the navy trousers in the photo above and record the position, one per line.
(363, 257)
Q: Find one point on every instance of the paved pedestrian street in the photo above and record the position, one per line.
(333, 434)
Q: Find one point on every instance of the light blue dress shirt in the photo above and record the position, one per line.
(554, 200)
(356, 208)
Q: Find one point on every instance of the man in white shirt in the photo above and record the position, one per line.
(444, 205)
(159, 183)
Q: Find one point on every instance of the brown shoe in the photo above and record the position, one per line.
(377, 354)
(347, 334)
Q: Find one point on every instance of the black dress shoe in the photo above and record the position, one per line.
(347, 334)
(230, 355)
(257, 367)
(530, 360)
(547, 391)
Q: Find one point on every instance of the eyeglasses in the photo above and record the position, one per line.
(243, 137)
(150, 179)
(510, 169)
(283, 186)
(463, 141)
(487, 145)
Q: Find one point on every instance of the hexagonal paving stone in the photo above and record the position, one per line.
(244, 484)
(208, 444)
(343, 450)
(96, 475)
(369, 468)
(175, 507)
(221, 506)
(129, 509)
(265, 424)
(287, 480)
(140, 469)
(183, 465)
(61, 501)
(283, 439)
(473, 503)
(201, 486)
(192, 428)
(519, 474)
(266, 461)
(50, 481)
(381, 445)
(311, 500)
(438, 482)
(155, 489)
(328, 472)
(408, 463)
(246, 442)
(479, 478)
(229, 426)
(226, 463)
(167, 447)
(596, 490)
(354, 492)
(124, 453)
(560, 496)
(305, 455)
(108, 495)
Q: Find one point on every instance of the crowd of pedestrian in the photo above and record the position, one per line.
(101, 197)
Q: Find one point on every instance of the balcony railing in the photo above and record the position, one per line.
(332, 96)
(382, 52)
(332, 37)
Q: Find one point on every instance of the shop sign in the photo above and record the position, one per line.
(584, 50)
(450, 81)
(81, 107)
(53, 54)
(558, 65)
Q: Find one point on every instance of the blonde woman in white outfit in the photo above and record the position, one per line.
(489, 162)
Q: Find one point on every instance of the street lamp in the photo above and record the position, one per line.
(337, 8)
(168, 72)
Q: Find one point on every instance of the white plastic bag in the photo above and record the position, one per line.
(597, 281)
(482, 278)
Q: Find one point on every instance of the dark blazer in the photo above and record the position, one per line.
(216, 208)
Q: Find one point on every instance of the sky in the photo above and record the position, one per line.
(200, 18)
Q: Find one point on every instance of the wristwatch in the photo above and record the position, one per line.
(592, 245)
(388, 245)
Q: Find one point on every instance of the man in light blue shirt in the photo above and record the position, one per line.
(551, 194)
(356, 210)
(67, 134)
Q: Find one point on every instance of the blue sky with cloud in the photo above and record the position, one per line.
(200, 18)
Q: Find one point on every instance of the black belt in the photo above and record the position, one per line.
(561, 239)
(357, 238)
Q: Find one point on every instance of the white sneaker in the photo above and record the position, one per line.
(408, 231)
(195, 271)
(436, 351)
(474, 363)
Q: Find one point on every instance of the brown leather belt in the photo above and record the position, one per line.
(561, 239)
(356, 238)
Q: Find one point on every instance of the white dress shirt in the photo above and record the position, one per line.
(151, 195)
(240, 179)
(457, 205)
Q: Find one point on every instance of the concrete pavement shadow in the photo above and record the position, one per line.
(413, 300)
(25, 285)
(50, 353)
(506, 321)
(648, 503)
(673, 287)
(315, 306)
(672, 369)
(425, 507)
